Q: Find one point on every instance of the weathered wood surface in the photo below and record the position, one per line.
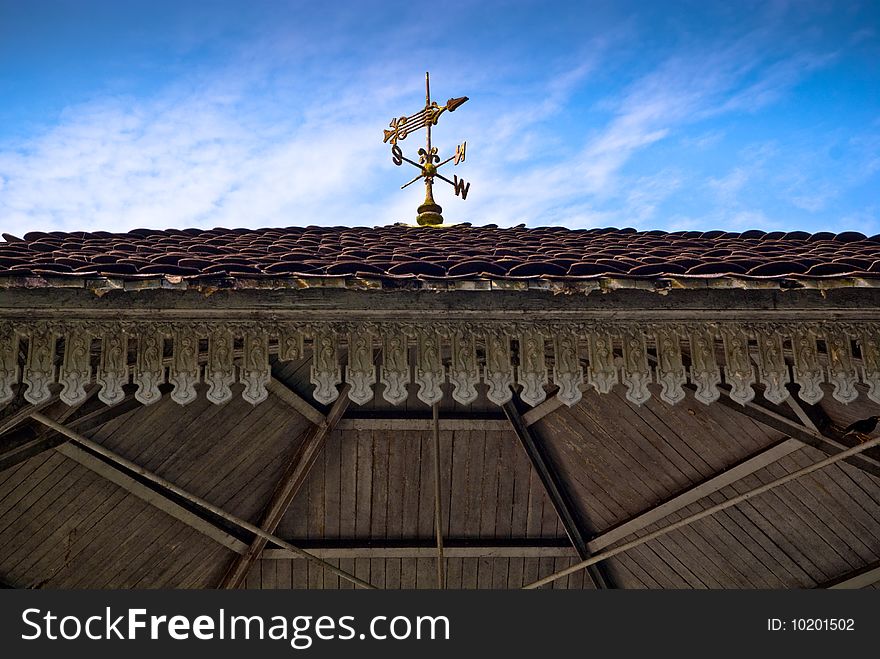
(298, 467)
(65, 526)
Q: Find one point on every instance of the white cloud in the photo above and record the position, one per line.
(252, 145)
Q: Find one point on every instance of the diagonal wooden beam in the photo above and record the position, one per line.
(165, 485)
(703, 489)
(24, 414)
(816, 419)
(297, 402)
(824, 441)
(150, 495)
(298, 468)
(556, 492)
(49, 439)
(861, 578)
(687, 521)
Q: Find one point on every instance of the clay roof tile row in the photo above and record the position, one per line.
(448, 252)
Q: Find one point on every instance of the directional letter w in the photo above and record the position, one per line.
(461, 188)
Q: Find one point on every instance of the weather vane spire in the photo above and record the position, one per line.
(429, 161)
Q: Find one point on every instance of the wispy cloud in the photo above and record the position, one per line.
(274, 136)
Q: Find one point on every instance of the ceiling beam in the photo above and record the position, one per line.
(295, 474)
(452, 548)
(555, 491)
(419, 425)
(861, 578)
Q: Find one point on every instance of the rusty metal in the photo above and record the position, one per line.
(429, 212)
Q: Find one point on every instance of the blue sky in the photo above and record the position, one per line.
(669, 115)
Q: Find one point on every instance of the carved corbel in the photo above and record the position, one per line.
(772, 368)
(568, 374)
(430, 373)
(326, 373)
(220, 368)
(670, 370)
(636, 373)
(807, 369)
(255, 373)
(39, 369)
(841, 371)
(395, 372)
(185, 371)
(290, 345)
(149, 371)
(360, 372)
(704, 370)
(738, 370)
(9, 370)
(532, 370)
(498, 372)
(870, 346)
(76, 369)
(602, 373)
(112, 373)
(464, 371)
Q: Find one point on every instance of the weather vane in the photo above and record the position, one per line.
(429, 161)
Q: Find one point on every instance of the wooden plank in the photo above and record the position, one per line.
(555, 491)
(332, 493)
(610, 485)
(473, 488)
(379, 505)
(489, 496)
(48, 439)
(201, 503)
(293, 479)
(394, 505)
(715, 434)
(347, 496)
(691, 519)
(541, 410)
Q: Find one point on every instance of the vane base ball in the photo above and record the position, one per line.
(429, 215)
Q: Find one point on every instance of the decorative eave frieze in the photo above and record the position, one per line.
(439, 358)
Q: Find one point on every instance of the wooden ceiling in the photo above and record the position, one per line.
(70, 518)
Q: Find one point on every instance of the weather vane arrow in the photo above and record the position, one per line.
(429, 161)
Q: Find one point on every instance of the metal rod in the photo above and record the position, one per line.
(705, 513)
(428, 105)
(168, 485)
(438, 512)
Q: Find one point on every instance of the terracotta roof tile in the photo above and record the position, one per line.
(459, 251)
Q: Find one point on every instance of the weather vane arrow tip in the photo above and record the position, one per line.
(453, 103)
